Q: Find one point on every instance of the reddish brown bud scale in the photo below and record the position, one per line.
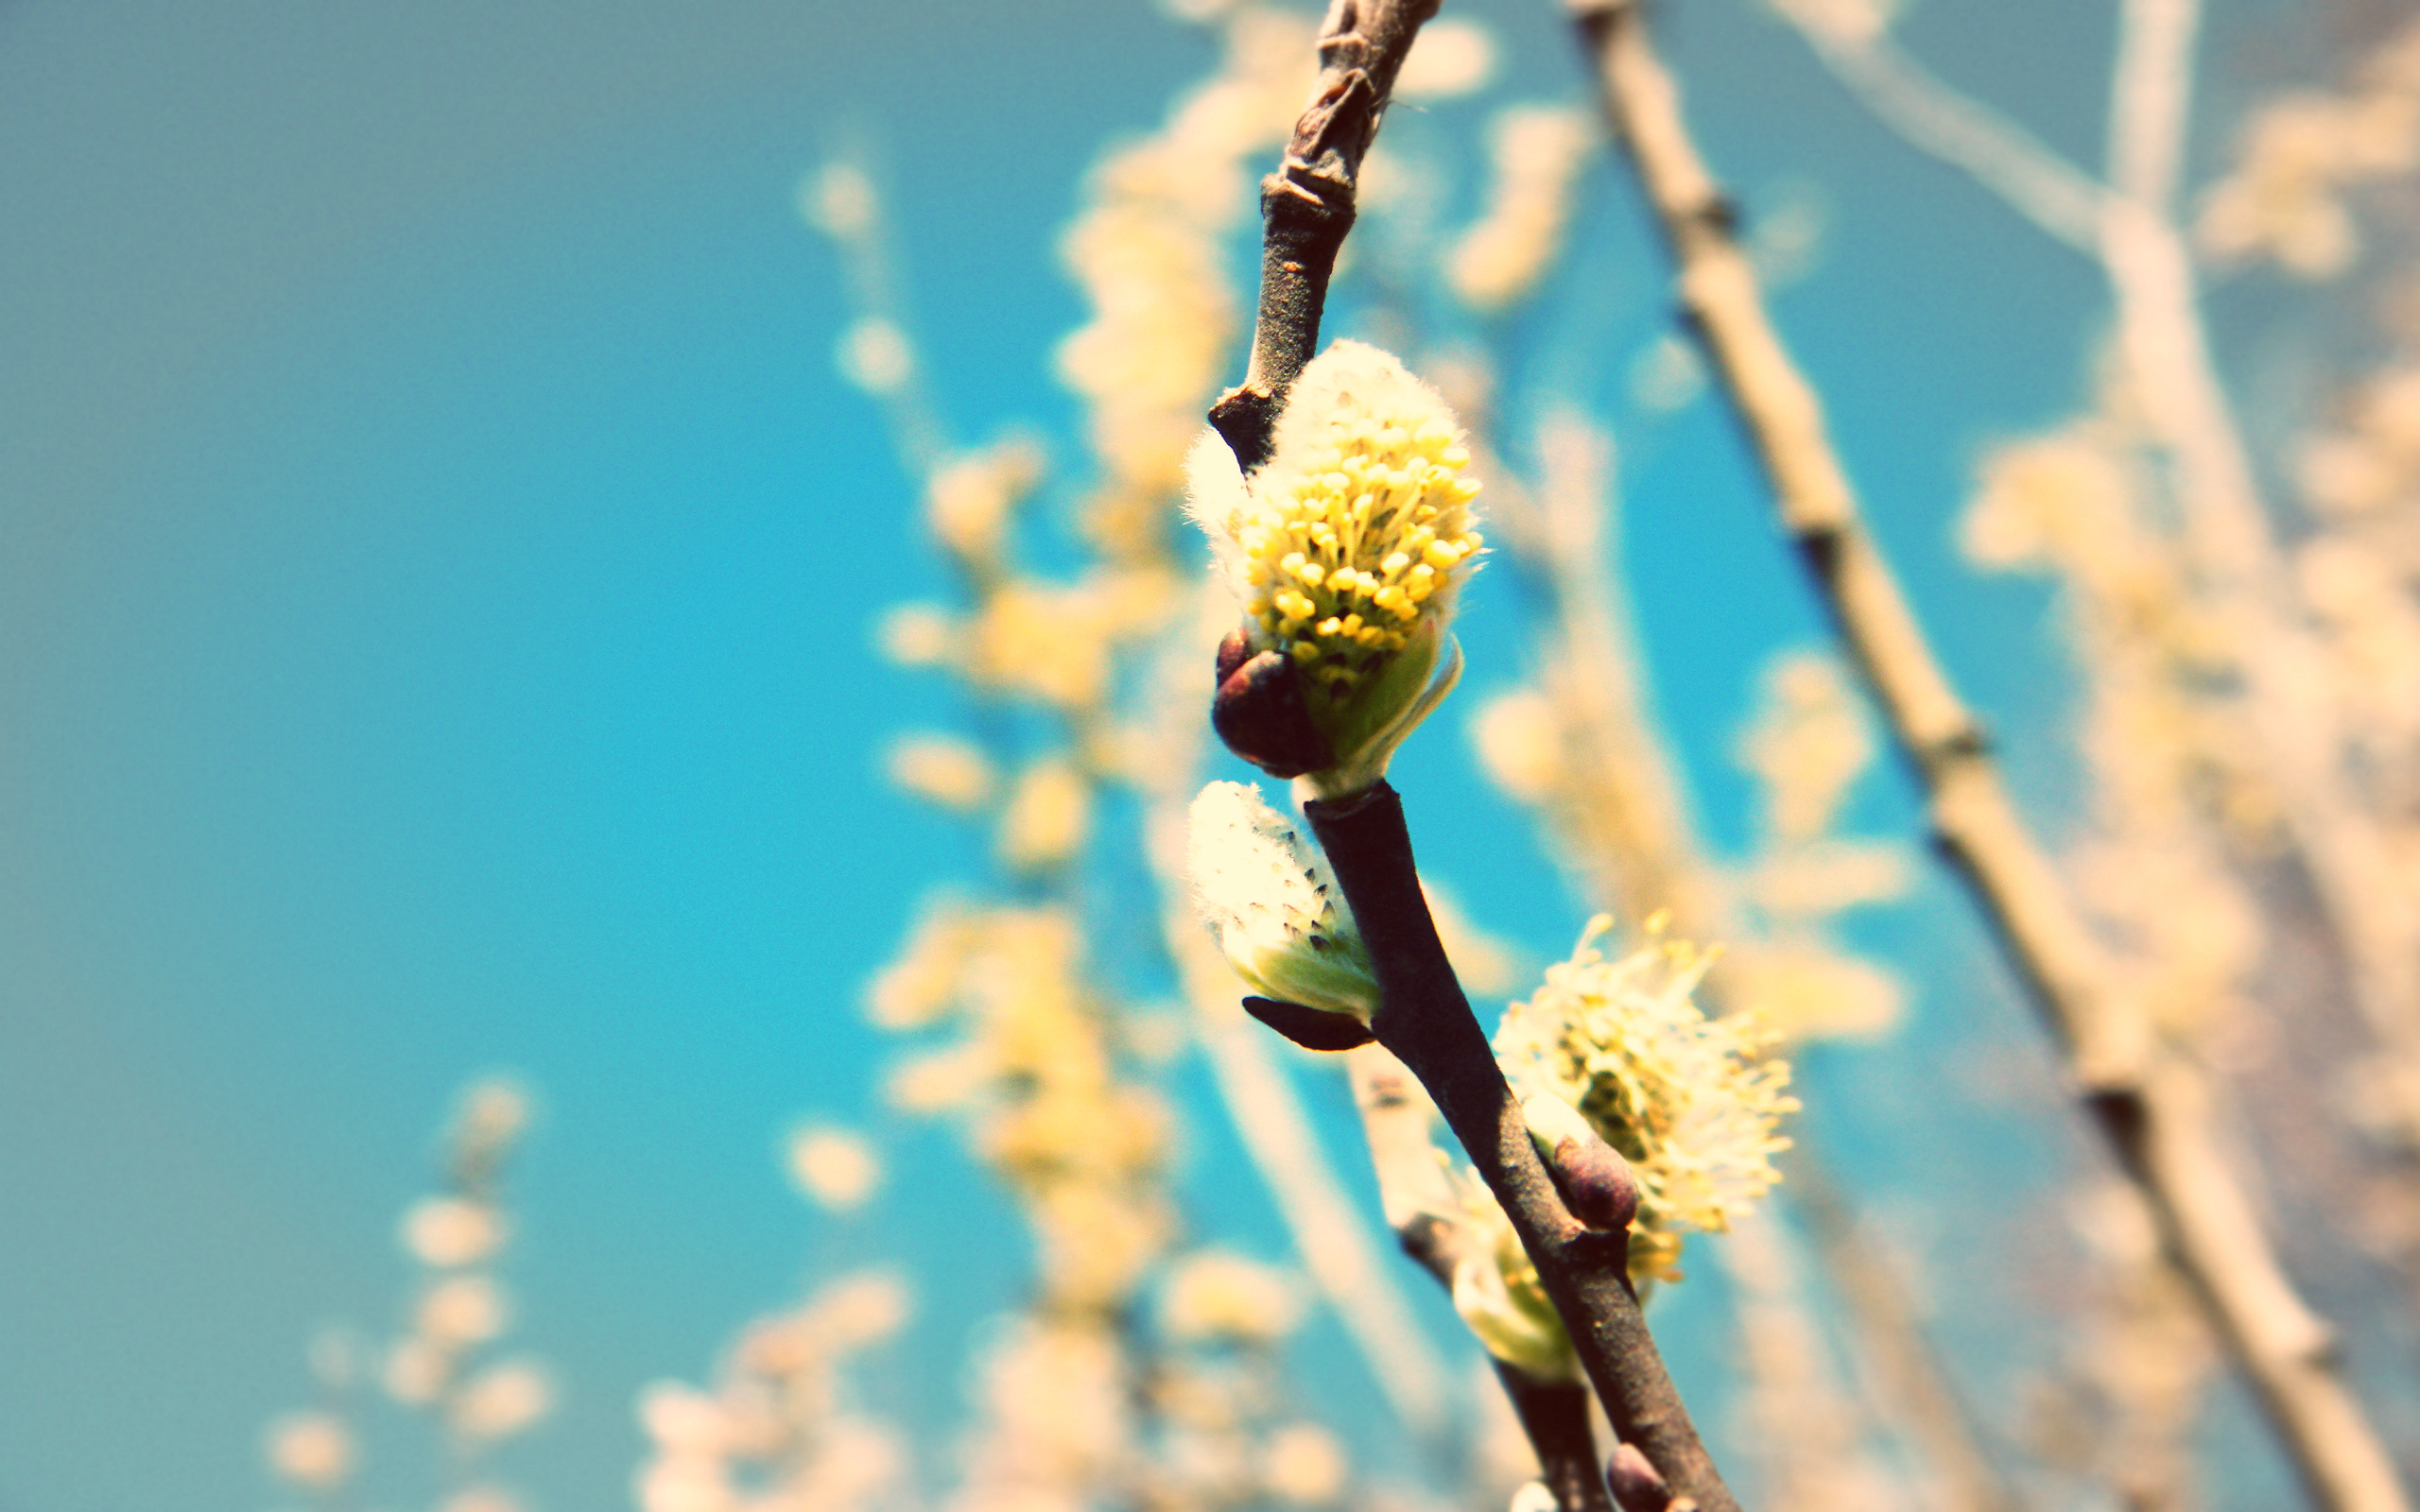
(1311, 1028)
(1635, 1484)
(1596, 1183)
(1260, 713)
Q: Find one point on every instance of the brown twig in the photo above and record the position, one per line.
(1427, 1022)
(1307, 205)
(1420, 1207)
(2148, 1103)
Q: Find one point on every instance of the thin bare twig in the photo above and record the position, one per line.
(1307, 205)
(1421, 1208)
(1999, 154)
(2149, 1104)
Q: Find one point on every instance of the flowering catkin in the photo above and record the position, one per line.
(1346, 549)
(1691, 1101)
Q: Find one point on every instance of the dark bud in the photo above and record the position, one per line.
(1596, 1183)
(1233, 653)
(1259, 711)
(1635, 1483)
(1311, 1028)
(1591, 1177)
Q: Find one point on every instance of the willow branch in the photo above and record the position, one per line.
(2149, 1105)
(1308, 204)
(1421, 1208)
(1425, 1021)
(2130, 227)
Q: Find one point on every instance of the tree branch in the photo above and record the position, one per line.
(1420, 1208)
(1307, 205)
(2149, 1104)
(1427, 1022)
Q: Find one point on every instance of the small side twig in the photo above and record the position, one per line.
(2150, 1104)
(1425, 1021)
(1307, 205)
(1420, 1207)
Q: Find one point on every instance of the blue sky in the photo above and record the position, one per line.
(433, 634)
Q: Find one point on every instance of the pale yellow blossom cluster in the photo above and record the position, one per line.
(2360, 573)
(1452, 57)
(834, 1168)
(1059, 1419)
(1359, 528)
(943, 770)
(1049, 817)
(1217, 1295)
(971, 501)
(1538, 152)
(444, 1364)
(2163, 738)
(312, 1451)
(2302, 153)
(1223, 1433)
(876, 353)
(2136, 1376)
(1031, 1061)
(777, 1430)
(1049, 643)
(1694, 1103)
(1806, 747)
(1147, 251)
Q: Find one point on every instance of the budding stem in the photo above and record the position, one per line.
(1424, 1019)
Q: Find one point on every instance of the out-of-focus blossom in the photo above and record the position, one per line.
(1669, 375)
(875, 356)
(917, 635)
(836, 1168)
(504, 1400)
(417, 1370)
(314, 1449)
(1452, 56)
(445, 1233)
(1519, 738)
(970, 501)
(1811, 741)
(839, 200)
(2300, 155)
(1303, 1465)
(463, 1309)
(941, 770)
(1216, 1295)
(1538, 151)
(1048, 818)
